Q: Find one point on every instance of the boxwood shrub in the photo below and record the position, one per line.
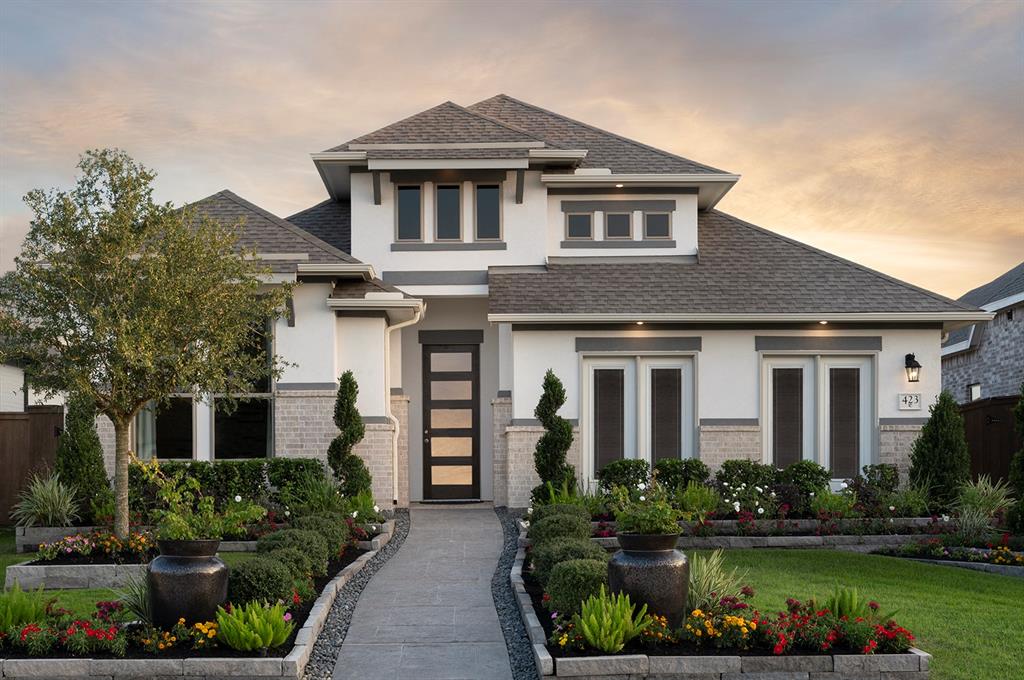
(675, 474)
(297, 562)
(337, 534)
(629, 473)
(545, 511)
(309, 542)
(736, 472)
(260, 579)
(558, 550)
(558, 526)
(572, 582)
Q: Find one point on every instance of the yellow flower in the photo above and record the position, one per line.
(161, 645)
(697, 612)
(181, 621)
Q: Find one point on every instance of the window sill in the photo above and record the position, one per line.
(453, 245)
(649, 243)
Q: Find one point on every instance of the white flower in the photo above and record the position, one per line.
(844, 485)
(892, 508)
(743, 485)
(760, 511)
(945, 518)
(287, 513)
(642, 498)
(726, 484)
(238, 499)
(757, 502)
(736, 506)
(355, 513)
(641, 486)
(529, 511)
(759, 489)
(772, 494)
(376, 508)
(812, 494)
(526, 523)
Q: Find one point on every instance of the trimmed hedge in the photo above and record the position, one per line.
(545, 511)
(260, 579)
(558, 526)
(309, 542)
(572, 582)
(556, 551)
(674, 474)
(297, 562)
(337, 534)
(627, 472)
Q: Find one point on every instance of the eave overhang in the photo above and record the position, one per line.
(339, 269)
(710, 187)
(397, 310)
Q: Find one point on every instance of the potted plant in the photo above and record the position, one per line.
(187, 580)
(648, 567)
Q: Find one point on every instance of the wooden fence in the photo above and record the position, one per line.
(28, 442)
(991, 436)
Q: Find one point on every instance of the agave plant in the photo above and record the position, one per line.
(608, 622)
(18, 607)
(986, 496)
(254, 626)
(848, 602)
(46, 501)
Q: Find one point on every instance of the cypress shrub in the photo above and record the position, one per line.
(1017, 467)
(349, 469)
(939, 459)
(549, 455)
(80, 459)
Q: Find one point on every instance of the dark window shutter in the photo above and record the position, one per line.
(609, 415)
(844, 421)
(666, 413)
(787, 415)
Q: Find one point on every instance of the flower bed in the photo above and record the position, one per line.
(998, 559)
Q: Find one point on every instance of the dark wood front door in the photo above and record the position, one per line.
(451, 422)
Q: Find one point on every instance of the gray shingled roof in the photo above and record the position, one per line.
(742, 268)
(356, 289)
(1010, 283)
(266, 233)
(604, 149)
(329, 221)
(447, 123)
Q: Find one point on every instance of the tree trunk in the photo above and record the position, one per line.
(121, 478)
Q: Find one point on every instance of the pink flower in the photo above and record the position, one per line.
(288, 616)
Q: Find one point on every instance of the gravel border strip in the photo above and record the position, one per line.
(520, 650)
(324, 656)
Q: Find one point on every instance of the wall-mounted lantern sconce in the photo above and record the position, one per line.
(913, 369)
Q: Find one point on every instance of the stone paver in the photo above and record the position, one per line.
(428, 613)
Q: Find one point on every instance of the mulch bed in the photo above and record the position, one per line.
(299, 617)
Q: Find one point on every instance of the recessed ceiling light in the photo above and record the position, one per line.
(639, 323)
(618, 186)
(823, 323)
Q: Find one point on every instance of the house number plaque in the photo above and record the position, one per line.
(910, 401)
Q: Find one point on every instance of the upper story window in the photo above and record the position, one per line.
(579, 226)
(488, 212)
(657, 225)
(449, 212)
(410, 212)
(618, 225)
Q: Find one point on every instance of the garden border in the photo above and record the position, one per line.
(1002, 569)
(291, 666)
(911, 666)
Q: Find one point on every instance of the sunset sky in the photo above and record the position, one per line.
(889, 133)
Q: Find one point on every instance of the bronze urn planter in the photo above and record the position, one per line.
(186, 581)
(651, 571)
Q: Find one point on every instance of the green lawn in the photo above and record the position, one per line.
(84, 601)
(971, 622)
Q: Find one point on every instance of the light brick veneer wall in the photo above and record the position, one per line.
(105, 430)
(521, 441)
(501, 408)
(895, 443)
(400, 409)
(719, 443)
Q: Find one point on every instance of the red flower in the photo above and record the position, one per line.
(873, 606)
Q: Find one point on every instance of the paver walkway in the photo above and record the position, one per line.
(428, 613)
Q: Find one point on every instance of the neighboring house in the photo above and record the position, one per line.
(463, 251)
(12, 389)
(986, 359)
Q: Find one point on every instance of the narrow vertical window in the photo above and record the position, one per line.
(666, 413)
(579, 225)
(844, 421)
(488, 212)
(410, 213)
(657, 225)
(787, 415)
(618, 226)
(609, 416)
(449, 212)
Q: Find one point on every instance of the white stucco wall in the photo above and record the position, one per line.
(309, 344)
(361, 349)
(728, 368)
(12, 385)
(451, 314)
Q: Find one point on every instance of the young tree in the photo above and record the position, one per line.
(126, 301)
(549, 456)
(80, 456)
(348, 468)
(939, 458)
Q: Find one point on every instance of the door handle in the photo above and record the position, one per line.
(426, 440)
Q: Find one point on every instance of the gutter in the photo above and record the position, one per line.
(966, 316)
(416, 317)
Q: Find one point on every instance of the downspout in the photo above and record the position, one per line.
(416, 317)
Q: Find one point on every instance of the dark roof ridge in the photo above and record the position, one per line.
(600, 130)
(285, 224)
(842, 260)
(1012, 278)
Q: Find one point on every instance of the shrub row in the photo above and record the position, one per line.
(565, 561)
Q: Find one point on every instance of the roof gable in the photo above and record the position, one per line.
(267, 234)
(605, 149)
(1009, 284)
(446, 123)
(329, 221)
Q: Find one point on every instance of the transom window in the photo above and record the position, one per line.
(488, 212)
(618, 225)
(449, 212)
(579, 226)
(657, 225)
(637, 407)
(410, 212)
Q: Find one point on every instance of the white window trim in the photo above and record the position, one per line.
(808, 364)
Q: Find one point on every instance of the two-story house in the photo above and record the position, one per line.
(463, 251)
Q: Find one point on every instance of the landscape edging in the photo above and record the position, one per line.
(1003, 569)
(290, 666)
(912, 666)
